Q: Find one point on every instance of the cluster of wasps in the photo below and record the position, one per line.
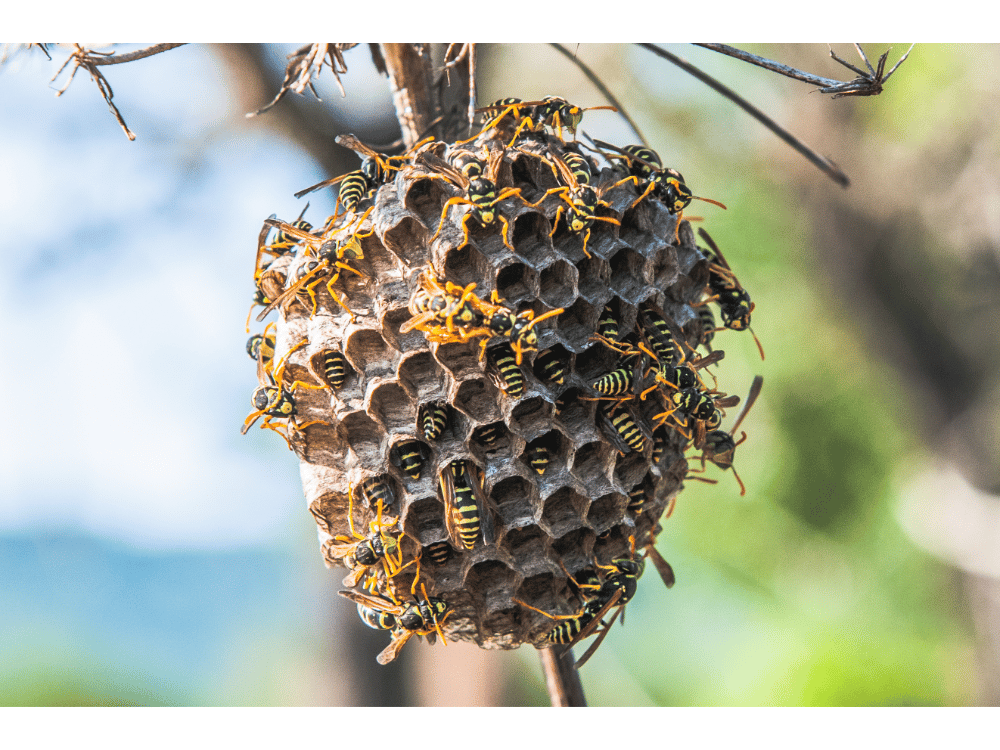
(653, 363)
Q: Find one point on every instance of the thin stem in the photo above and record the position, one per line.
(137, 55)
(771, 65)
(409, 77)
(826, 165)
(592, 77)
(562, 678)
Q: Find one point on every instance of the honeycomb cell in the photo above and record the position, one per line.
(574, 548)
(368, 353)
(461, 358)
(365, 438)
(563, 511)
(531, 237)
(545, 455)
(595, 362)
(478, 399)
(606, 511)
(530, 416)
(627, 274)
(527, 546)
(558, 284)
(425, 197)
(631, 468)
(467, 266)
(516, 282)
(424, 520)
(392, 406)
(406, 240)
(577, 324)
(492, 583)
(421, 375)
(402, 342)
(594, 277)
(513, 500)
(552, 365)
(591, 463)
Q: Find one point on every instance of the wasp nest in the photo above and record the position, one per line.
(486, 364)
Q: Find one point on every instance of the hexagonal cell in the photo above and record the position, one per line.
(606, 511)
(594, 280)
(478, 399)
(552, 365)
(392, 321)
(467, 265)
(591, 463)
(411, 457)
(564, 511)
(461, 358)
(408, 241)
(421, 375)
(631, 468)
(516, 282)
(391, 405)
(531, 237)
(368, 353)
(558, 284)
(364, 436)
(573, 548)
(576, 324)
(424, 519)
(627, 273)
(575, 414)
(546, 454)
(382, 263)
(492, 582)
(596, 362)
(512, 497)
(530, 416)
(613, 545)
(425, 197)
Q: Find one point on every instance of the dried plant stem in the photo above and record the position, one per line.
(137, 55)
(562, 678)
(592, 77)
(771, 65)
(410, 79)
(826, 165)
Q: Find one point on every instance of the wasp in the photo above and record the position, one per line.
(607, 326)
(467, 509)
(376, 170)
(261, 346)
(282, 244)
(409, 456)
(551, 111)
(481, 193)
(636, 499)
(719, 446)
(362, 553)
(625, 433)
(432, 418)
(328, 264)
(616, 591)
(489, 434)
(422, 617)
(706, 320)
(453, 313)
(377, 493)
(538, 457)
(550, 367)
(335, 367)
(664, 568)
(438, 552)
(581, 202)
(734, 301)
(270, 285)
(503, 361)
(271, 400)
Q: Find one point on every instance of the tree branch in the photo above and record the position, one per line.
(562, 678)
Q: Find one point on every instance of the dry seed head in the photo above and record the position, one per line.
(546, 523)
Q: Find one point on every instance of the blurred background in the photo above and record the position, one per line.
(153, 556)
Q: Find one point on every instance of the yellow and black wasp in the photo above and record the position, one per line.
(261, 346)
(432, 418)
(581, 200)
(538, 456)
(467, 508)
(283, 242)
(334, 367)
(410, 456)
(481, 192)
(422, 617)
(513, 114)
(624, 431)
(550, 367)
(719, 446)
(453, 313)
(271, 400)
(733, 300)
(269, 286)
(362, 553)
(331, 254)
(503, 362)
(376, 170)
(438, 552)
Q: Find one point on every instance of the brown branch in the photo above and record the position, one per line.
(562, 678)
(81, 58)
(592, 77)
(826, 165)
(412, 93)
(137, 55)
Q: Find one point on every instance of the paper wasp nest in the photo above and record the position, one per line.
(369, 434)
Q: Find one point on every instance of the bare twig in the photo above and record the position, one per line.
(305, 64)
(867, 84)
(466, 53)
(412, 92)
(137, 55)
(83, 58)
(832, 170)
(592, 77)
(562, 678)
